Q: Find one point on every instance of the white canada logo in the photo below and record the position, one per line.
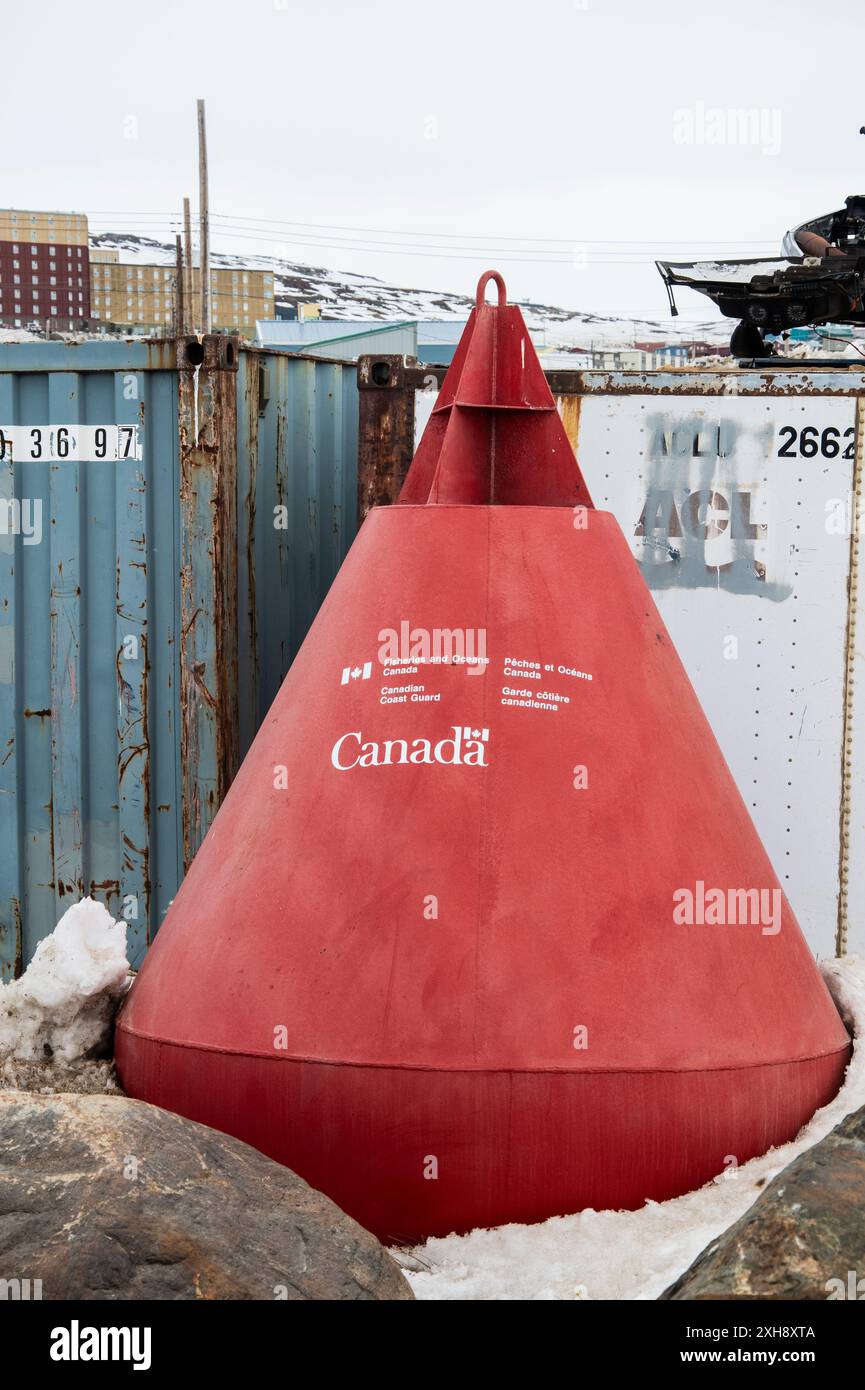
(466, 748)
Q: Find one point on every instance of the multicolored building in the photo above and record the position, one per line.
(44, 270)
(51, 279)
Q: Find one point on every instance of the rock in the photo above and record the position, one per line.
(804, 1232)
(107, 1198)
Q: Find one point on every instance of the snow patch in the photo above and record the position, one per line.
(351, 295)
(630, 1254)
(64, 1003)
(18, 335)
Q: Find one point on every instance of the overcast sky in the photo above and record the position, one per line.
(568, 142)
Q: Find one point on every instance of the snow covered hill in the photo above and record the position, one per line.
(345, 295)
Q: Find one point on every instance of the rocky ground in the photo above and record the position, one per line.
(89, 1078)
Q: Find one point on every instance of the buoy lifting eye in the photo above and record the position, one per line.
(482, 288)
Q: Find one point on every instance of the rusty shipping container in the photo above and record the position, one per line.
(171, 516)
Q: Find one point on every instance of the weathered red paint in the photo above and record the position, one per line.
(427, 953)
(495, 437)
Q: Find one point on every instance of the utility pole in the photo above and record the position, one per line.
(203, 215)
(189, 295)
(179, 296)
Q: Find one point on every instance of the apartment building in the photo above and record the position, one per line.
(146, 296)
(132, 296)
(239, 298)
(44, 269)
(51, 278)
(60, 228)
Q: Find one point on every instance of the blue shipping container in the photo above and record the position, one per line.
(171, 516)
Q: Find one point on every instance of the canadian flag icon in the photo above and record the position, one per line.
(356, 673)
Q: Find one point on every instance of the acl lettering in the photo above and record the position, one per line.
(702, 515)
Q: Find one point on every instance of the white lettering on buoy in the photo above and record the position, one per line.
(465, 749)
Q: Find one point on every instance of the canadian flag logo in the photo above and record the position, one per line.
(356, 673)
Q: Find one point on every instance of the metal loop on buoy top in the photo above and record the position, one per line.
(480, 297)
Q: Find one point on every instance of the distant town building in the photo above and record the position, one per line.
(702, 349)
(344, 338)
(831, 337)
(133, 296)
(437, 340)
(145, 296)
(671, 355)
(651, 356)
(50, 277)
(565, 360)
(44, 269)
(618, 359)
(295, 310)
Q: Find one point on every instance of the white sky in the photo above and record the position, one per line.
(555, 120)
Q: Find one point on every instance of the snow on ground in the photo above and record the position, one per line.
(18, 335)
(63, 1005)
(350, 295)
(630, 1254)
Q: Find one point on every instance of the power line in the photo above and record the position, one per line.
(637, 253)
(442, 254)
(331, 228)
(468, 236)
(552, 257)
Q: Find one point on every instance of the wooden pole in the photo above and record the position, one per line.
(203, 214)
(189, 294)
(179, 297)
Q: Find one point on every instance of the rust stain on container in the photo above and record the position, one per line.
(569, 409)
(255, 388)
(682, 382)
(17, 954)
(207, 409)
(134, 713)
(386, 390)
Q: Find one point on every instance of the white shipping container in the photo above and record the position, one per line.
(737, 491)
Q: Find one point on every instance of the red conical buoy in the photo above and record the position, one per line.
(483, 931)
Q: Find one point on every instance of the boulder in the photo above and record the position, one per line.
(107, 1198)
(804, 1237)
